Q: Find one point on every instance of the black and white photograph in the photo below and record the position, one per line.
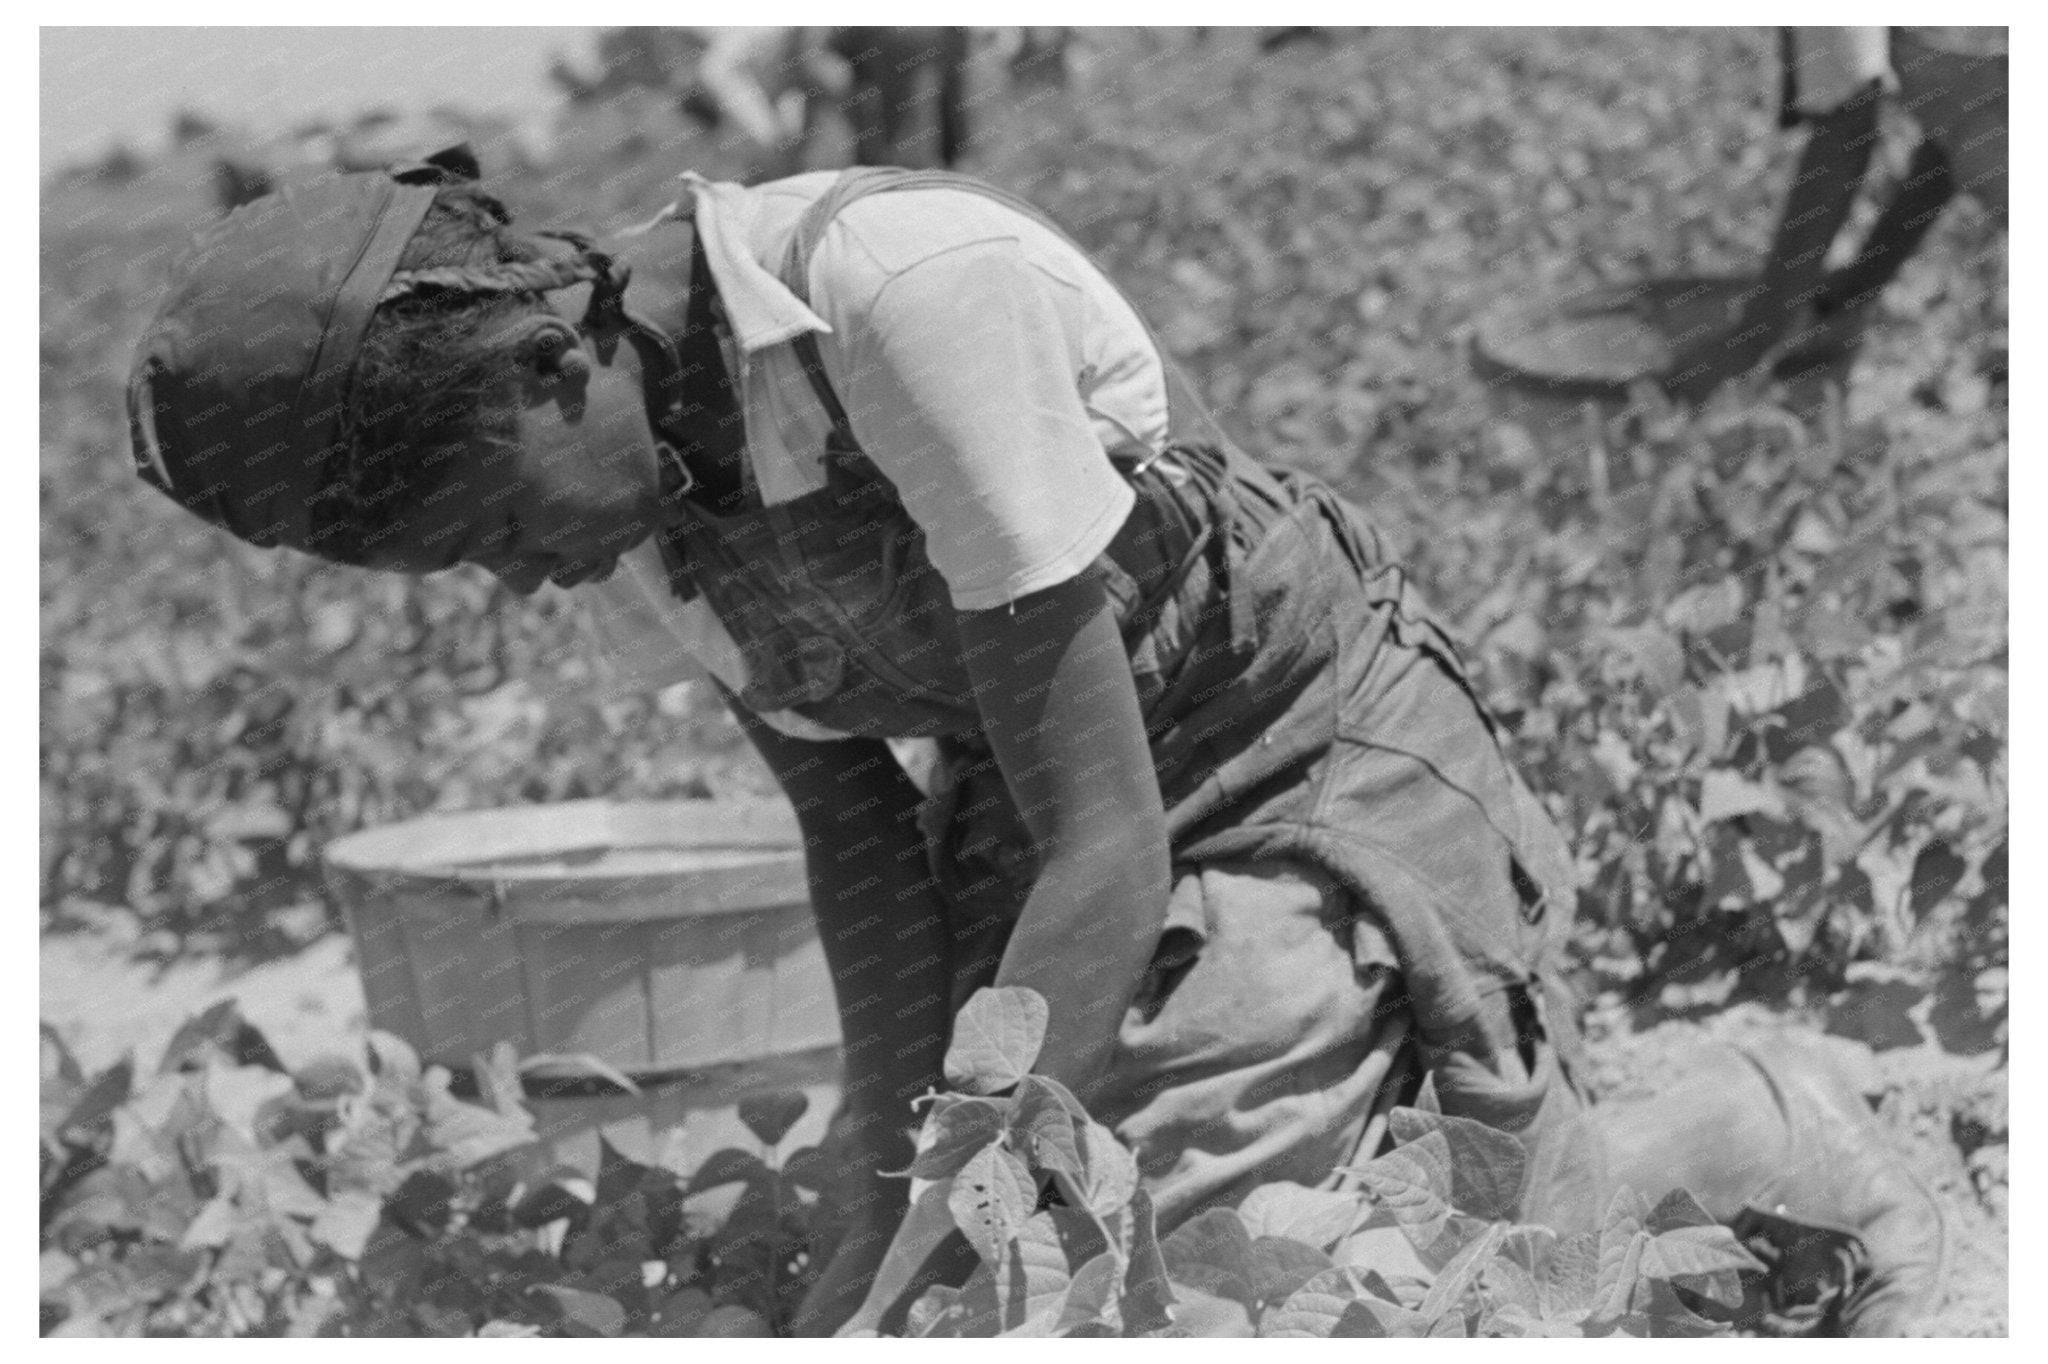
(1026, 680)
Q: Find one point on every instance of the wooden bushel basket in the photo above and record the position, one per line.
(658, 938)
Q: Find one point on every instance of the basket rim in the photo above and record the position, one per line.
(1506, 328)
(448, 845)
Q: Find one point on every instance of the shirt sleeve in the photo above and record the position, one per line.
(962, 385)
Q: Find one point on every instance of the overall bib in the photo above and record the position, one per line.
(1363, 889)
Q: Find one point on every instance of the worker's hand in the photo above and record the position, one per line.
(887, 1255)
(905, 1263)
(866, 1206)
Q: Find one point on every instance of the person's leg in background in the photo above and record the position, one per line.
(868, 102)
(1824, 184)
(908, 96)
(954, 65)
(1036, 56)
(1953, 83)
(1841, 310)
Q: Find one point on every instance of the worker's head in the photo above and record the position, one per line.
(371, 368)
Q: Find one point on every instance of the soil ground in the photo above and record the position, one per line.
(1944, 1110)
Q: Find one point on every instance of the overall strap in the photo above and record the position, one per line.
(854, 183)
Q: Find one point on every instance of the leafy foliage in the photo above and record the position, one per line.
(1753, 655)
(361, 1197)
(1801, 750)
(1068, 1244)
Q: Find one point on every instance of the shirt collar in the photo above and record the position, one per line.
(760, 308)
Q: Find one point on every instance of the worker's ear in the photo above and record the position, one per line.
(551, 352)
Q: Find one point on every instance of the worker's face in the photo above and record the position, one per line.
(579, 488)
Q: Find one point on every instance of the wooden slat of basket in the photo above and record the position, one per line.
(587, 992)
(468, 973)
(710, 987)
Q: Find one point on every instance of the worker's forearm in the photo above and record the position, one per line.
(1053, 679)
(884, 934)
(1084, 939)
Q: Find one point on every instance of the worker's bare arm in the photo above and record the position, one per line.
(1053, 682)
(879, 918)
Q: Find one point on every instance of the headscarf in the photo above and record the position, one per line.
(239, 393)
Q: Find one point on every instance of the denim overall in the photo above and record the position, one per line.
(1358, 871)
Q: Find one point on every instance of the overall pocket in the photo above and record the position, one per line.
(850, 554)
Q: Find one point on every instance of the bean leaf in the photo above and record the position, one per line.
(1707, 1260)
(1936, 872)
(1369, 1319)
(990, 1200)
(470, 1134)
(932, 1311)
(995, 1039)
(1148, 1296)
(219, 1031)
(107, 1092)
(345, 1224)
(1090, 1306)
(1213, 1253)
(1316, 1217)
(1413, 1184)
(1426, 1100)
(391, 1056)
(1461, 1273)
(1045, 1127)
(579, 1066)
(1487, 1166)
(953, 1133)
(594, 1313)
(1110, 1172)
(770, 1116)
(1571, 1275)
(1280, 1266)
(1622, 1240)
(1725, 794)
(1314, 1309)
(728, 1166)
(1034, 1279)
